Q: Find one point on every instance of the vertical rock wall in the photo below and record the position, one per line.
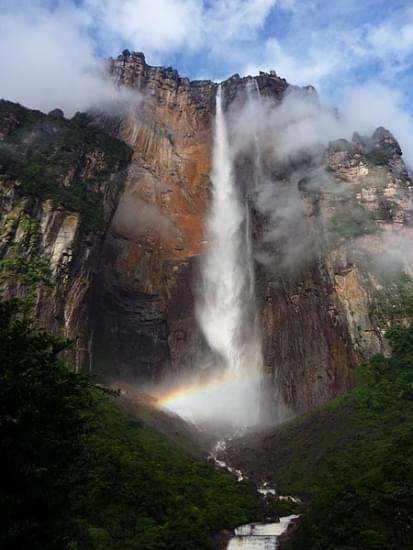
(60, 183)
(133, 286)
(316, 319)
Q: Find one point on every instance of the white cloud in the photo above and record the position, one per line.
(48, 61)
(337, 45)
(311, 68)
(392, 38)
(152, 26)
(236, 20)
(48, 49)
(162, 26)
(365, 107)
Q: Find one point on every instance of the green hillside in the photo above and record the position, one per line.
(78, 473)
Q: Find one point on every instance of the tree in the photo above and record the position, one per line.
(43, 419)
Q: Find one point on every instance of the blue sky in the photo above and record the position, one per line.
(324, 42)
(329, 44)
(342, 47)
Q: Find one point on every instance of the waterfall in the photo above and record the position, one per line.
(226, 310)
(260, 536)
(229, 387)
(223, 276)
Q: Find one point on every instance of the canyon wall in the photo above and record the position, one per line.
(132, 281)
(60, 182)
(318, 317)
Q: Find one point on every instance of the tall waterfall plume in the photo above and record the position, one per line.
(226, 309)
(227, 389)
(225, 270)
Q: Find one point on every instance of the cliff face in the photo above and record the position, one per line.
(133, 285)
(318, 318)
(331, 308)
(146, 301)
(150, 267)
(60, 182)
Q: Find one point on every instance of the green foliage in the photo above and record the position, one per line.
(356, 470)
(394, 302)
(147, 493)
(23, 263)
(21, 113)
(352, 221)
(378, 156)
(43, 407)
(340, 145)
(406, 293)
(387, 210)
(284, 507)
(50, 158)
(80, 474)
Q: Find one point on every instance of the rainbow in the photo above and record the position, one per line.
(176, 395)
(212, 398)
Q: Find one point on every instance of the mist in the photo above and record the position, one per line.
(366, 107)
(48, 61)
(226, 388)
(293, 135)
(135, 217)
(269, 156)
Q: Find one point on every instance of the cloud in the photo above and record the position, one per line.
(339, 44)
(394, 38)
(160, 27)
(154, 26)
(236, 20)
(52, 52)
(363, 107)
(298, 123)
(278, 149)
(49, 50)
(359, 64)
(47, 60)
(310, 68)
(135, 218)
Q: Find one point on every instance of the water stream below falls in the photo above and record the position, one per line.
(260, 536)
(254, 536)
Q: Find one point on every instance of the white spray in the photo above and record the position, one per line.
(226, 309)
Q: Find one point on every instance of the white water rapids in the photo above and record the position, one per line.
(254, 536)
(260, 536)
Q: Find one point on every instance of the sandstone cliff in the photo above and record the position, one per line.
(320, 314)
(332, 307)
(318, 319)
(60, 182)
(150, 270)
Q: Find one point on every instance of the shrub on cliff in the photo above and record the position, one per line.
(47, 157)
